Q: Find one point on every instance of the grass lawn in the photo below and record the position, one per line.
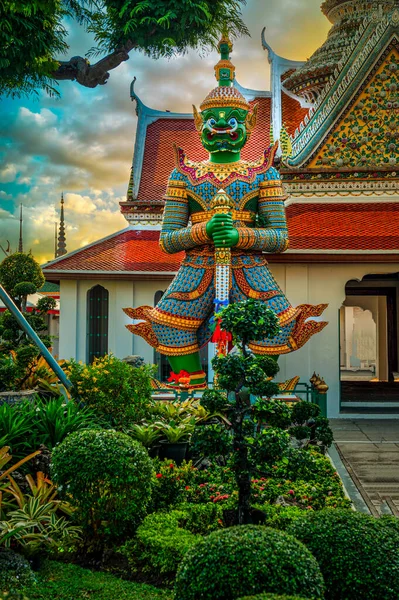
(58, 581)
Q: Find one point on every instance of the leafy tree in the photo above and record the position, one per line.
(21, 275)
(32, 35)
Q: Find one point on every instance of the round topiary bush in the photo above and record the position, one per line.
(358, 554)
(107, 476)
(15, 573)
(247, 560)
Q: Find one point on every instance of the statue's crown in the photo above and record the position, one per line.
(225, 94)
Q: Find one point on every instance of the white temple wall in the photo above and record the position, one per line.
(302, 283)
(122, 294)
(319, 284)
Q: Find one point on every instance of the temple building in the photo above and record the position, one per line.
(336, 116)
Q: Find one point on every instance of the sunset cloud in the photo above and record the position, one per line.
(82, 144)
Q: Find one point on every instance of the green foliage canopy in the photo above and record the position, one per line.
(32, 36)
(20, 268)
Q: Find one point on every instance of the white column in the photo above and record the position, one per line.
(68, 319)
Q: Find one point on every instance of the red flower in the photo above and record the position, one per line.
(171, 466)
(187, 487)
(158, 475)
(291, 492)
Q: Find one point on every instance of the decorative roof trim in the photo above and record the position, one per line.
(250, 94)
(350, 73)
(146, 116)
(278, 66)
(102, 272)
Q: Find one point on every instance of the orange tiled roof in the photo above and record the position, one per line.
(158, 159)
(292, 113)
(129, 251)
(344, 226)
(338, 226)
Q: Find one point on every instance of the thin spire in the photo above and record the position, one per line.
(20, 243)
(55, 238)
(61, 250)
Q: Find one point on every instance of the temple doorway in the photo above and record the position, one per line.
(369, 344)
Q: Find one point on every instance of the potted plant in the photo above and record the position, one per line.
(146, 435)
(174, 447)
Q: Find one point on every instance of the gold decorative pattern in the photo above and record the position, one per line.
(238, 215)
(367, 135)
(176, 351)
(164, 318)
(224, 96)
(199, 234)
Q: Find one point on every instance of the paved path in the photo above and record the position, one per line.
(369, 449)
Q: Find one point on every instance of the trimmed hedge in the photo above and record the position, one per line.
(163, 539)
(247, 559)
(358, 554)
(160, 544)
(15, 573)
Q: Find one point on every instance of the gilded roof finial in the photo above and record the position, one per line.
(224, 69)
(225, 95)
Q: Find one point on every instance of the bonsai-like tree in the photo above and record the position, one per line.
(242, 374)
(21, 275)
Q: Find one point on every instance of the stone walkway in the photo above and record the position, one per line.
(369, 450)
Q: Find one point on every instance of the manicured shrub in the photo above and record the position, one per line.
(107, 476)
(15, 573)
(160, 544)
(357, 554)
(277, 516)
(115, 390)
(163, 539)
(230, 563)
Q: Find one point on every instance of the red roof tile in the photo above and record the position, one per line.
(292, 113)
(344, 226)
(338, 226)
(158, 159)
(129, 251)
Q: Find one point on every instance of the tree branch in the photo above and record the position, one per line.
(79, 69)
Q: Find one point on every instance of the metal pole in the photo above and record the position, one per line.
(34, 337)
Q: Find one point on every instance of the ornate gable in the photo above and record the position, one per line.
(364, 75)
(367, 133)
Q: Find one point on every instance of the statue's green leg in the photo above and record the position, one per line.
(190, 363)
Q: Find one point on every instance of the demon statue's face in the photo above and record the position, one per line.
(224, 129)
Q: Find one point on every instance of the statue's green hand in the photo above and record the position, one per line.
(227, 239)
(221, 229)
(219, 222)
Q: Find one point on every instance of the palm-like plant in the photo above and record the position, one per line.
(36, 525)
(146, 434)
(54, 420)
(177, 433)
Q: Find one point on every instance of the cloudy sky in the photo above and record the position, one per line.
(82, 143)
